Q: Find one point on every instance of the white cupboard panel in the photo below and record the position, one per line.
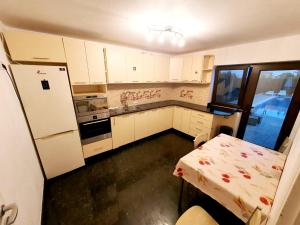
(197, 68)
(187, 68)
(161, 68)
(34, 47)
(177, 118)
(134, 66)
(60, 153)
(176, 64)
(95, 60)
(148, 67)
(76, 61)
(116, 67)
(97, 147)
(122, 130)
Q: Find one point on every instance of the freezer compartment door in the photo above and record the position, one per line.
(47, 100)
(60, 153)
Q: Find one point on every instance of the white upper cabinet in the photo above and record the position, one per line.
(161, 68)
(76, 61)
(176, 64)
(34, 47)
(187, 68)
(197, 68)
(95, 62)
(148, 67)
(134, 66)
(116, 69)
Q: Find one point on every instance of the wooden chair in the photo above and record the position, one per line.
(198, 216)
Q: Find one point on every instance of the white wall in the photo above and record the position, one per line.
(274, 50)
(21, 177)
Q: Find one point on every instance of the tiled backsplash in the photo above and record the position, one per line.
(146, 93)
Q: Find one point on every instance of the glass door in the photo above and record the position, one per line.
(270, 104)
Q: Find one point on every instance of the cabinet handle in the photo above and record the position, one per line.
(135, 81)
(41, 58)
(134, 68)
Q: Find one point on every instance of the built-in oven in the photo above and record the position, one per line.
(93, 117)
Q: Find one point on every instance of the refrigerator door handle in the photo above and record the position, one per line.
(52, 135)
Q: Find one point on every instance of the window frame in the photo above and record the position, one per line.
(246, 69)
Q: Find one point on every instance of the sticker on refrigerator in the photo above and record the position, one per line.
(45, 84)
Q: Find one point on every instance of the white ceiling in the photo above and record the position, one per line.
(205, 23)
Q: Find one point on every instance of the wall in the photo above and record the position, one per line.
(274, 50)
(21, 177)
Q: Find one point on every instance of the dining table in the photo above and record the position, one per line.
(239, 175)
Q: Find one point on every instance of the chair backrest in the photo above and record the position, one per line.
(255, 218)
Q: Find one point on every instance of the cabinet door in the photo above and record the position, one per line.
(148, 68)
(197, 68)
(185, 125)
(141, 125)
(134, 70)
(176, 64)
(95, 60)
(161, 68)
(34, 47)
(187, 68)
(116, 72)
(165, 118)
(122, 130)
(177, 118)
(76, 61)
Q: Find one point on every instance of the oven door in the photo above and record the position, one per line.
(95, 130)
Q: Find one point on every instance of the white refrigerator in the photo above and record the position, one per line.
(47, 100)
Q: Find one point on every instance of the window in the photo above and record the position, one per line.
(228, 85)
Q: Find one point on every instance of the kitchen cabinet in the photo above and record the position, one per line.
(134, 69)
(177, 118)
(34, 47)
(185, 120)
(116, 68)
(148, 67)
(122, 129)
(176, 64)
(97, 147)
(95, 62)
(207, 70)
(142, 124)
(165, 118)
(196, 73)
(76, 61)
(187, 68)
(161, 68)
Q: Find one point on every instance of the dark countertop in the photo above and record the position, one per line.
(155, 105)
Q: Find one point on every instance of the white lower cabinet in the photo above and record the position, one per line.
(135, 126)
(97, 147)
(122, 128)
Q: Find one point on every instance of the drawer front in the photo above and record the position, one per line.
(97, 147)
(195, 131)
(201, 122)
(201, 115)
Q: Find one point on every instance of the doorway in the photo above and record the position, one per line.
(268, 96)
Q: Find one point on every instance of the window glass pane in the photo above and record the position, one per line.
(229, 86)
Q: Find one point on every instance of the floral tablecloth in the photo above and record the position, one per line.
(238, 174)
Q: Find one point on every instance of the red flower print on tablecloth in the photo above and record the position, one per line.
(244, 155)
(179, 172)
(227, 145)
(266, 200)
(258, 152)
(205, 161)
(226, 177)
(244, 172)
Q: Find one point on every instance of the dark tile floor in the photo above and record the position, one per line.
(132, 185)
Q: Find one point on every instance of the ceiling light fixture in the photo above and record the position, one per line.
(162, 33)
